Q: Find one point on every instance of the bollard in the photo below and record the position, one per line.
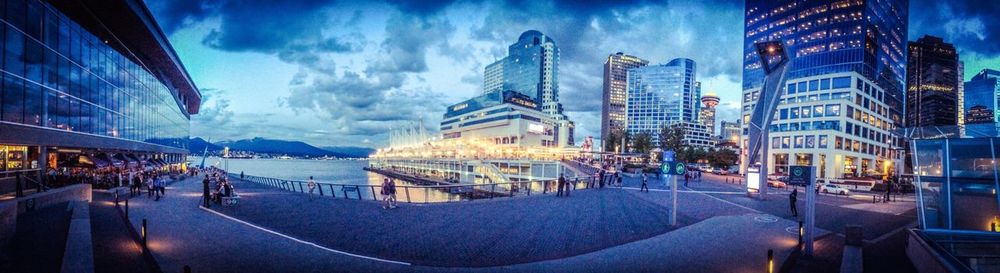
(126, 208)
(770, 261)
(187, 269)
(143, 233)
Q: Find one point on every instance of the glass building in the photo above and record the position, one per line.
(845, 81)
(89, 77)
(982, 95)
(931, 83)
(613, 96)
(660, 95)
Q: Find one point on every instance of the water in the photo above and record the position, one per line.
(324, 171)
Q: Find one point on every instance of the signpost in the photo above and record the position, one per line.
(674, 169)
(803, 176)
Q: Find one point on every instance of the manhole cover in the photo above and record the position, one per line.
(765, 219)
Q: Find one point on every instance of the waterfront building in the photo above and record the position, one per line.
(982, 93)
(493, 76)
(613, 95)
(89, 84)
(707, 113)
(932, 83)
(843, 96)
(661, 95)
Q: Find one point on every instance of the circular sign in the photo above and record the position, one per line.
(665, 168)
(797, 171)
(680, 168)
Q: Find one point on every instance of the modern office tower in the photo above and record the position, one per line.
(615, 84)
(90, 84)
(931, 83)
(663, 95)
(961, 93)
(493, 77)
(981, 97)
(844, 92)
(729, 132)
(707, 113)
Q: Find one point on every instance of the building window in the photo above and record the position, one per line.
(822, 142)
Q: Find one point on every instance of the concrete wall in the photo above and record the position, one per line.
(8, 221)
(925, 259)
(78, 192)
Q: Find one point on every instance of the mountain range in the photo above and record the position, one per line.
(198, 145)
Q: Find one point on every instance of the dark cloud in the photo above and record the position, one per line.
(972, 25)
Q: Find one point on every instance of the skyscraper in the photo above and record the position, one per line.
(843, 96)
(615, 81)
(931, 83)
(981, 97)
(493, 77)
(707, 113)
(662, 95)
(961, 93)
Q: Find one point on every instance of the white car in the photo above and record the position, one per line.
(834, 189)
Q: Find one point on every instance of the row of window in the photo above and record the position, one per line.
(821, 142)
(814, 111)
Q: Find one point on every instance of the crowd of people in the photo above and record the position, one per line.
(216, 185)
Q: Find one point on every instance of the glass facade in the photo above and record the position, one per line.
(957, 183)
(931, 83)
(659, 95)
(615, 85)
(60, 76)
(982, 96)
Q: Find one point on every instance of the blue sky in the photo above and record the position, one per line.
(340, 73)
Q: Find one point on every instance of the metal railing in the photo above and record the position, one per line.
(424, 194)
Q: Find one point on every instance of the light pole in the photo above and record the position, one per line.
(774, 61)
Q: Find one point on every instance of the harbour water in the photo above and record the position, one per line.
(348, 172)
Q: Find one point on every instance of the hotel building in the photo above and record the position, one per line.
(663, 95)
(89, 82)
(615, 85)
(844, 91)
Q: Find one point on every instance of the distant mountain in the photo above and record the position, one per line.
(351, 151)
(273, 146)
(197, 146)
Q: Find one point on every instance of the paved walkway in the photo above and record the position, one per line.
(181, 234)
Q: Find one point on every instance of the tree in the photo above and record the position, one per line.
(625, 138)
(642, 143)
(611, 141)
(722, 158)
(672, 137)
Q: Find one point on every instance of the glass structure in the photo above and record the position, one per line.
(659, 95)
(613, 96)
(982, 95)
(931, 83)
(91, 76)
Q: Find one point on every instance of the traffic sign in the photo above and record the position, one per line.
(672, 167)
(800, 175)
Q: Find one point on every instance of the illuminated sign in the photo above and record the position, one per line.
(753, 179)
(519, 99)
(459, 107)
(537, 129)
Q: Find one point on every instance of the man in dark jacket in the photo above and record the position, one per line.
(561, 183)
(792, 198)
(204, 184)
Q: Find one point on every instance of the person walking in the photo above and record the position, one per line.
(600, 182)
(312, 186)
(792, 198)
(687, 176)
(204, 184)
(392, 193)
(618, 178)
(385, 193)
(241, 175)
(561, 182)
(644, 183)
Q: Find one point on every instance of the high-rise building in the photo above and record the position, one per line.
(931, 83)
(662, 95)
(729, 132)
(90, 84)
(615, 84)
(843, 97)
(493, 77)
(707, 113)
(982, 96)
(531, 68)
(961, 93)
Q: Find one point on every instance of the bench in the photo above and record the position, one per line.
(229, 201)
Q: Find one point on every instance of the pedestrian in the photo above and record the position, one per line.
(618, 178)
(149, 187)
(204, 184)
(792, 198)
(644, 183)
(561, 182)
(385, 193)
(392, 193)
(241, 175)
(571, 186)
(686, 177)
(600, 183)
(312, 186)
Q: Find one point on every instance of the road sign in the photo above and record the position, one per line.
(672, 167)
(800, 175)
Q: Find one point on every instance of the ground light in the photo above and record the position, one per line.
(143, 234)
(770, 261)
(801, 233)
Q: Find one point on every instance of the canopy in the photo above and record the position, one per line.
(128, 161)
(114, 161)
(83, 161)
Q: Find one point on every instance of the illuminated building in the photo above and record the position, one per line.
(931, 83)
(85, 80)
(982, 93)
(615, 85)
(662, 95)
(493, 77)
(843, 96)
(707, 113)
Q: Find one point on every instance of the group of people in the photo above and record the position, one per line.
(153, 181)
(602, 178)
(216, 186)
(388, 193)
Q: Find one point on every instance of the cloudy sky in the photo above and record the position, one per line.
(341, 73)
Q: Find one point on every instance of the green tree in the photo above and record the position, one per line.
(642, 143)
(672, 137)
(722, 158)
(611, 141)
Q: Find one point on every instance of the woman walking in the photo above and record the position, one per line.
(385, 193)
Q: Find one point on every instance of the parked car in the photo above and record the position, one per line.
(834, 189)
(720, 172)
(776, 184)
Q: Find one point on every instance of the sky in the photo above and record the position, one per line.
(342, 73)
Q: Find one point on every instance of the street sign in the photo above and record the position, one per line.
(800, 175)
(672, 167)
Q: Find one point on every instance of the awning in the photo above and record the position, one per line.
(128, 161)
(83, 161)
(114, 161)
(138, 162)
